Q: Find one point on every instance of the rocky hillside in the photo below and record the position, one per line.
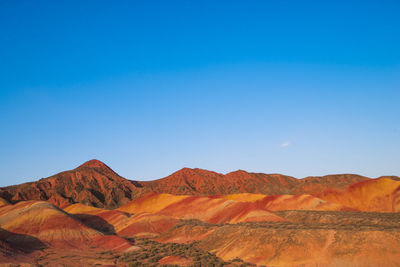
(95, 184)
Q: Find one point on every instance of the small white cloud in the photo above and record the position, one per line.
(285, 144)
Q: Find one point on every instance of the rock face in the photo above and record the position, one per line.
(95, 184)
(202, 182)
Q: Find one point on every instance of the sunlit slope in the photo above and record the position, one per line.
(46, 222)
(151, 202)
(308, 238)
(3, 202)
(100, 219)
(142, 224)
(299, 202)
(52, 226)
(286, 202)
(196, 181)
(187, 232)
(381, 195)
(244, 197)
(304, 247)
(210, 209)
(146, 225)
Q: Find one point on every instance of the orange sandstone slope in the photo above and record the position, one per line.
(92, 183)
(227, 208)
(39, 222)
(105, 221)
(318, 238)
(381, 195)
(211, 209)
(288, 202)
(300, 202)
(146, 225)
(303, 246)
(3, 202)
(120, 222)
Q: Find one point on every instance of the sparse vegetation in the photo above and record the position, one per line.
(153, 251)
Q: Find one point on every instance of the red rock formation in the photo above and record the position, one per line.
(41, 222)
(202, 182)
(93, 183)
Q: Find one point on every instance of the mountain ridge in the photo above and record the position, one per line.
(96, 184)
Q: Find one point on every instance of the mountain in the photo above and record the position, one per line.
(91, 216)
(94, 183)
(202, 182)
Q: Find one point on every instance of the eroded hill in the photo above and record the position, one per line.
(95, 184)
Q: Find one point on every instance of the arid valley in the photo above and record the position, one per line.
(91, 216)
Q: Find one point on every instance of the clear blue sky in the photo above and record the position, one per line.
(295, 87)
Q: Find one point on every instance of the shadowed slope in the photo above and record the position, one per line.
(13, 243)
(120, 222)
(15, 248)
(46, 222)
(103, 220)
(53, 226)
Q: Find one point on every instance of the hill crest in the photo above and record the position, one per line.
(96, 184)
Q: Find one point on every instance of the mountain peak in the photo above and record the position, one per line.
(237, 172)
(94, 163)
(194, 171)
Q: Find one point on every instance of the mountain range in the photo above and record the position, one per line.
(94, 183)
(92, 216)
